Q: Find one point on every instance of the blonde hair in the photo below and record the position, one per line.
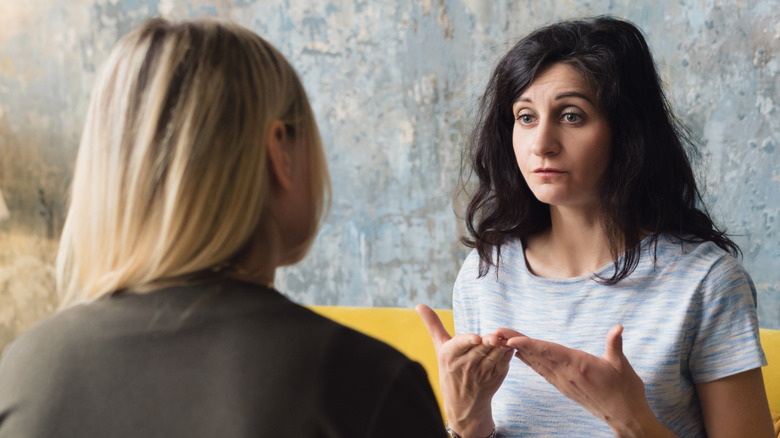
(171, 176)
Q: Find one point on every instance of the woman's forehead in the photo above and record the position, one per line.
(559, 81)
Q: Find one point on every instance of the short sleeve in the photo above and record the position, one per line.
(726, 338)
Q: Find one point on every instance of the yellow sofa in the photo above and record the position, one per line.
(404, 330)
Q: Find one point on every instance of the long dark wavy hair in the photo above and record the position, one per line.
(649, 185)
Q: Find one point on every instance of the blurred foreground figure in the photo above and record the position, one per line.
(200, 171)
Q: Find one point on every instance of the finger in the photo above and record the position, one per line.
(433, 324)
(522, 358)
(494, 340)
(520, 342)
(542, 352)
(507, 333)
(506, 358)
(614, 349)
(540, 365)
(498, 357)
(461, 345)
(482, 348)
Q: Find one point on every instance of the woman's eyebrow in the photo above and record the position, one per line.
(559, 97)
(573, 94)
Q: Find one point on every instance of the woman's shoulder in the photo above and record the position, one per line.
(366, 378)
(511, 251)
(689, 258)
(55, 332)
(47, 350)
(685, 247)
(194, 323)
(342, 344)
(247, 314)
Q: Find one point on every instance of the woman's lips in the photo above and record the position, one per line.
(547, 172)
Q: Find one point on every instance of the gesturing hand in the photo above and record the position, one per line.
(608, 387)
(471, 369)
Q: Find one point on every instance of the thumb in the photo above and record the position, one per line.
(436, 329)
(614, 350)
(506, 358)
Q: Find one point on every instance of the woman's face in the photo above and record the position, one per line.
(561, 138)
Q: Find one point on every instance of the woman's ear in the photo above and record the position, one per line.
(280, 162)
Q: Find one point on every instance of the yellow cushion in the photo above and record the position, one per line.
(401, 328)
(770, 341)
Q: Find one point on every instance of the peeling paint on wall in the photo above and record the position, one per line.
(393, 85)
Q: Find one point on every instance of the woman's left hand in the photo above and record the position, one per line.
(608, 387)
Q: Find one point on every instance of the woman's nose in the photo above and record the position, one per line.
(546, 139)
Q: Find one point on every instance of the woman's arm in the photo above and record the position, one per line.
(736, 406)
(733, 407)
(470, 373)
(608, 387)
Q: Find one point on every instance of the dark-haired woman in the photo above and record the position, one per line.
(587, 219)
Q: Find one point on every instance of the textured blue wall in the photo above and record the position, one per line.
(393, 84)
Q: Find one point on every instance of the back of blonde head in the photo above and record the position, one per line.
(171, 176)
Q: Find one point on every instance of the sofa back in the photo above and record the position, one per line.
(770, 340)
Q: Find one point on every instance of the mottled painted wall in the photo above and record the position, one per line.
(393, 84)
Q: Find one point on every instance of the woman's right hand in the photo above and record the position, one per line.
(471, 369)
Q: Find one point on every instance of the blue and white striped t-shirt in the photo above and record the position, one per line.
(688, 319)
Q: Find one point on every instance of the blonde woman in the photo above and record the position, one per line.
(200, 171)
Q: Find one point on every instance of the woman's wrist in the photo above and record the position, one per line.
(471, 426)
(648, 427)
(454, 434)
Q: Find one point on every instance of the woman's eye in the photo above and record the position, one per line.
(525, 119)
(572, 117)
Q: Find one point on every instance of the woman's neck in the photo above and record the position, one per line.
(575, 245)
(257, 263)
